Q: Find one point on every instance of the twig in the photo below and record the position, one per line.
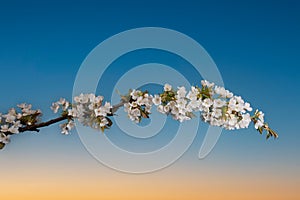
(35, 127)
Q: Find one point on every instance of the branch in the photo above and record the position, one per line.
(36, 127)
(218, 107)
(116, 107)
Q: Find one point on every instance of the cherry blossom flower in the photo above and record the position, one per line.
(139, 105)
(167, 87)
(5, 139)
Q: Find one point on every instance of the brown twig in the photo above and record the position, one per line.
(116, 107)
(35, 127)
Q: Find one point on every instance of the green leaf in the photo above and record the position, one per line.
(2, 145)
(273, 133)
(144, 115)
(102, 128)
(224, 111)
(260, 129)
(109, 122)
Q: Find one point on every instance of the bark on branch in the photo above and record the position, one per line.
(35, 127)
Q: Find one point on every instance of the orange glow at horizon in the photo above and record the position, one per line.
(172, 183)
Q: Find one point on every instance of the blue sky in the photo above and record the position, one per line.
(255, 45)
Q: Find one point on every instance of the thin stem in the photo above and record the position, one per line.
(116, 107)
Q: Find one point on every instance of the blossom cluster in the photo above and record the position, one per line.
(218, 106)
(15, 119)
(64, 106)
(222, 108)
(87, 108)
(259, 119)
(175, 103)
(139, 105)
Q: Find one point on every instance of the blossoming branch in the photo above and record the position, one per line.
(218, 107)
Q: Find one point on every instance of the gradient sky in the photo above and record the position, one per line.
(255, 45)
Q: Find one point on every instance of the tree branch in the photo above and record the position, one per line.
(35, 127)
(116, 107)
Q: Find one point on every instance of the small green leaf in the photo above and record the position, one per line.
(102, 128)
(260, 129)
(2, 145)
(144, 115)
(109, 122)
(273, 133)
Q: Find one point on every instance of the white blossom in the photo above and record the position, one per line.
(64, 129)
(166, 108)
(160, 108)
(4, 128)
(135, 112)
(65, 106)
(103, 122)
(70, 125)
(156, 100)
(193, 94)
(4, 138)
(67, 127)
(216, 113)
(135, 94)
(206, 83)
(82, 98)
(26, 110)
(207, 102)
(175, 112)
(73, 112)
(140, 105)
(258, 124)
(244, 123)
(55, 107)
(194, 105)
(223, 92)
(261, 116)
(10, 116)
(218, 103)
(62, 103)
(167, 87)
(247, 107)
(181, 92)
(13, 129)
(103, 110)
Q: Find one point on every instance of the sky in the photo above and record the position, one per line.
(254, 44)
